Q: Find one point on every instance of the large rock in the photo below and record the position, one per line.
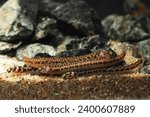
(92, 42)
(144, 49)
(45, 26)
(146, 69)
(74, 17)
(35, 49)
(86, 45)
(17, 19)
(46, 6)
(126, 28)
(78, 14)
(47, 31)
(5, 47)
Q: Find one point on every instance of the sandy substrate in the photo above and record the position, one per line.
(133, 86)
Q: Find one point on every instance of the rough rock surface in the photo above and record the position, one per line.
(7, 47)
(47, 6)
(125, 28)
(47, 32)
(144, 49)
(92, 42)
(108, 21)
(78, 14)
(45, 26)
(17, 19)
(146, 69)
(33, 49)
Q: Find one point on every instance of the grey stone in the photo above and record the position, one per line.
(86, 45)
(65, 43)
(108, 21)
(34, 49)
(125, 28)
(146, 69)
(17, 19)
(93, 43)
(144, 49)
(46, 6)
(45, 26)
(78, 14)
(7, 47)
(145, 22)
(46, 30)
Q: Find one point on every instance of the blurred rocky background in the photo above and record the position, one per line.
(72, 27)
